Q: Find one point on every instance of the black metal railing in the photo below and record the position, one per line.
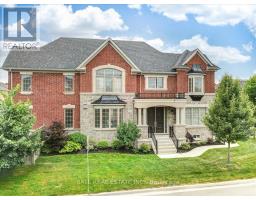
(152, 135)
(160, 95)
(173, 137)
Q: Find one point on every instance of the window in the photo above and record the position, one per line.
(194, 116)
(68, 118)
(108, 117)
(195, 84)
(26, 84)
(69, 83)
(109, 80)
(155, 82)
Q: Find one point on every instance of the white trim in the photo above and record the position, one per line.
(104, 44)
(165, 77)
(31, 107)
(26, 73)
(200, 54)
(68, 74)
(111, 67)
(26, 93)
(68, 106)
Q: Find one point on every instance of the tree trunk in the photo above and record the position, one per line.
(229, 156)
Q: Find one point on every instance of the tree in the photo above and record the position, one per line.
(54, 138)
(230, 114)
(250, 90)
(16, 137)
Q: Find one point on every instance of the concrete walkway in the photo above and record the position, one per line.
(198, 151)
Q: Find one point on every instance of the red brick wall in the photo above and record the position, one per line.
(209, 78)
(108, 56)
(48, 97)
(171, 85)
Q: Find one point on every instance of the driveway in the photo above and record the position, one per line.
(229, 188)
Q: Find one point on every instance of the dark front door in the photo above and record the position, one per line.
(156, 119)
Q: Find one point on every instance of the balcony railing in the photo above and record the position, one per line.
(160, 95)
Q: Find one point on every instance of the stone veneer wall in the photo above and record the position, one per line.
(87, 116)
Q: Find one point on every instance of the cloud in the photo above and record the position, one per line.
(3, 74)
(216, 53)
(135, 6)
(155, 42)
(61, 20)
(248, 47)
(213, 15)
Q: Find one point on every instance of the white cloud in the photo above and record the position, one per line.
(61, 20)
(155, 42)
(3, 74)
(214, 15)
(216, 53)
(248, 47)
(135, 6)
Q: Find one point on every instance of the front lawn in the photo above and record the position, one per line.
(66, 174)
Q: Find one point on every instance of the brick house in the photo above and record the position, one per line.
(92, 85)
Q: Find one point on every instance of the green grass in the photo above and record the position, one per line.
(66, 174)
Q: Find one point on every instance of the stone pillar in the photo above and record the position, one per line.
(144, 116)
(139, 116)
(182, 116)
(177, 115)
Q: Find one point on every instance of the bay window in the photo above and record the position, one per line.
(109, 80)
(106, 118)
(195, 115)
(195, 84)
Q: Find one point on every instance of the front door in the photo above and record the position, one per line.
(156, 119)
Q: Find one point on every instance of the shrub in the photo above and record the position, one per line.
(103, 145)
(92, 143)
(202, 143)
(78, 138)
(145, 148)
(117, 144)
(71, 147)
(210, 141)
(54, 137)
(185, 146)
(127, 134)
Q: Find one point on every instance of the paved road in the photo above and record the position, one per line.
(231, 188)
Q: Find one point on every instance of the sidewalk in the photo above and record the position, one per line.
(198, 151)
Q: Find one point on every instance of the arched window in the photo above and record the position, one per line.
(109, 80)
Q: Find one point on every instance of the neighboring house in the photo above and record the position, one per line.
(92, 85)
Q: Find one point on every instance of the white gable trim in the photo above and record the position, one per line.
(200, 54)
(121, 53)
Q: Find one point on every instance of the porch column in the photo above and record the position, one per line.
(139, 116)
(144, 116)
(182, 117)
(177, 115)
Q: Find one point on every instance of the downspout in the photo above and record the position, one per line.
(11, 78)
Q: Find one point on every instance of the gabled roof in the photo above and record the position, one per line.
(68, 54)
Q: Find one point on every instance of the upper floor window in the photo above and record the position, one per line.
(69, 83)
(155, 83)
(26, 83)
(195, 84)
(109, 80)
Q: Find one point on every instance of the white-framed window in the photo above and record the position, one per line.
(69, 118)
(195, 115)
(196, 84)
(109, 80)
(26, 83)
(108, 118)
(68, 83)
(156, 82)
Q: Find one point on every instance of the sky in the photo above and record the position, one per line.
(225, 33)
